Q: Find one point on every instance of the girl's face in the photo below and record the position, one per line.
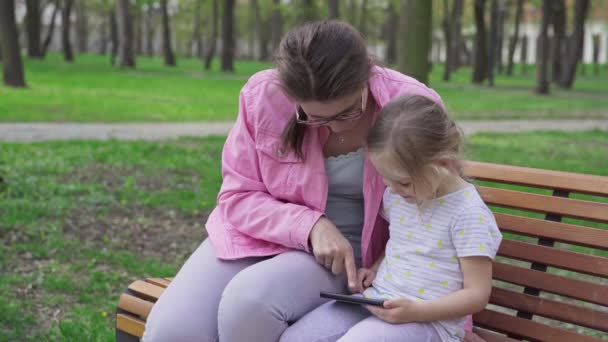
(399, 181)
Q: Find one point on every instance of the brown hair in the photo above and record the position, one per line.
(320, 61)
(416, 131)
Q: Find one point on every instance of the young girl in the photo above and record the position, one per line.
(437, 267)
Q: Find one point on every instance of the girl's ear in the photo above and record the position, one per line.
(445, 163)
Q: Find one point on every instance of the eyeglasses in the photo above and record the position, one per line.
(302, 117)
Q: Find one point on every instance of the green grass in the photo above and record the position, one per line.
(90, 90)
(80, 220)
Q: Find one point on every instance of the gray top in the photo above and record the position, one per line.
(345, 196)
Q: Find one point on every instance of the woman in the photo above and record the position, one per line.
(297, 212)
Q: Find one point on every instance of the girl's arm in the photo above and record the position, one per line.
(477, 274)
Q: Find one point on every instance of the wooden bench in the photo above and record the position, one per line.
(550, 279)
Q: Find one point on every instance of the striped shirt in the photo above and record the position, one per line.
(421, 258)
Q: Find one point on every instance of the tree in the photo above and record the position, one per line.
(515, 38)
(228, 36)
(363, 18)
(126, 55)
(197, 37)
(524, 55)
(575, 48)
(596, 54)
(167, 48)
(103, 36)
(558, 20)
(68, 54)
(306, 12)
(113, 36)
(390, 33)
(415, 38)
(9, 44)
(137, 21)
(32, 24)
(493, 50)
(51, 30)
(334, 9)
(276, 25)
(82, 31)
(213, 39)
(542, 83)
(149, 30)
(481, 54)
(452, 32)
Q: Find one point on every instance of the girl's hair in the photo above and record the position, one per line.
(320, 61)
(415, 131)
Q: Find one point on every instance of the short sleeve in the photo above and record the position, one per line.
(475, 233)
(386, 204)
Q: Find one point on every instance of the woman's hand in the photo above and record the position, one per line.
(365, 277)
(396, 311)
(332, 250)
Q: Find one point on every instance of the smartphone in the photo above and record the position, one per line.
(352, 299)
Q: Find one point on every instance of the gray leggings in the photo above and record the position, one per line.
(251, 299)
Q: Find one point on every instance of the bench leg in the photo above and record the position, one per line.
(122, 336)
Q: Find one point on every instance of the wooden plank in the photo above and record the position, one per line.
(159, 282)
(560, 258)
(134, 305)
(130, 325)
(562, 232)
(573, 288)
(491, 336)
(551, 309)
(523, 327)
(587, 210)
(146, 290)
(547, 179)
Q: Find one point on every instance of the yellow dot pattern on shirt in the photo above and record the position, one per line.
(408, 274)
(441, 201)
(462, 232)
(421, 291)
(402, 219)
(409, 235)
(444, 283)
(491, 233)
(454, 259)
(432, 264)
(439, 243)
(388, 276)
(481, 247)
(480, 218)
(427, 226)
(398, 257)
(397, 201)
(417, 251)
(467, 194)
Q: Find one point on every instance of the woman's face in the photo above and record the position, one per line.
(335, 108)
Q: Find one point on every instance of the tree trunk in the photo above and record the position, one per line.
(513, 42)
(9, 44)
(276, 30)
(137, 21)
(307, 12)
(481, 55)
(502, 12)
(456, 24)
(363, 18)
(596, 54)
(103, 36)
(493, 48)
(524, 55)
(576, 49)
(558, 19)
(126, 56)
(81, 26)
(51, 31)
(415, 38)
(263, 34)
(198, 33)
(334, 9)
(213, 40)
(448, 40)
(149, 31)
(33, 25)
(391, 33)
(167, 48)
(113, 37)
(228, 36)
(542, 82)
(68, 54)
(254, 28)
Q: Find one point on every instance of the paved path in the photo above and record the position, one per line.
(27, 132)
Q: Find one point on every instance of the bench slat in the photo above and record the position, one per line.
(548, 179)
(523, 327)
(586, 210)
(146, 290)
(130, 325)
(135, 305)
(573, 288)
(491, 336)
(561, 258)
(551, 309)
(562, 232)
(159, 282)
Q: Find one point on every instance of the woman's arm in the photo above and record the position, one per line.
(477, 273)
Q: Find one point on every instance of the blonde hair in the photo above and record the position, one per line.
(416, 132)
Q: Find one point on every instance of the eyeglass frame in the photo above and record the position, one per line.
(340, 117)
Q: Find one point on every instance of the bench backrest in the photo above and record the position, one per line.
(551, 276)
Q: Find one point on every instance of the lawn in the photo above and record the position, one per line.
(90, 90)
(79, 220)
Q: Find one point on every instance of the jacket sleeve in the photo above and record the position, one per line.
(244, 201)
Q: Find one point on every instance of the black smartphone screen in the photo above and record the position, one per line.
(352, 299)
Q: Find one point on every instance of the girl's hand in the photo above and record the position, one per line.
(365, 277)
(396, 311)
(332, 250)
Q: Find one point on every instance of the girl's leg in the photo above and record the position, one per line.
(373, 329)
(261, 301)
(187, 309)
(327, 323)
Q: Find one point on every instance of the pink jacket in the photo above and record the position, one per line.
(269, 199)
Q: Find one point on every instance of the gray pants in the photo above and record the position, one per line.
(251, 299)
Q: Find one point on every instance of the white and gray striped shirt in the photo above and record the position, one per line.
(421, 258)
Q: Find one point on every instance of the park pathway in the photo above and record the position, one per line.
(29, 132)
